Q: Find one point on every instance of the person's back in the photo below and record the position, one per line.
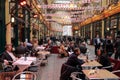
(73, 60)
(117, 48)
(104, 60)
(20, 50)
(117, 45)
(109, 48)
(83, 48)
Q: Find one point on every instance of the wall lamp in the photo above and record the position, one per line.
(12, 19)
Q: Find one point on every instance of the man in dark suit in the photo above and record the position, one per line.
(7, 57)
(117, 47)
(71, 47)
(21, 49)
(104, 60)
(74, 62)
(73, 59)
(97, 43)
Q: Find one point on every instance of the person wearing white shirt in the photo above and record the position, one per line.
(8, 57)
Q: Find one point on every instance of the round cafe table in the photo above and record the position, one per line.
(43, 54)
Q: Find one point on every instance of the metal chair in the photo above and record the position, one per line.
(35, 66)
(26, 75)
(66, 71)
(6, 68)
(74, 75)
(109, 68)
(116, 72)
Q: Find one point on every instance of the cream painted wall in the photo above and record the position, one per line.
(103, 29)
(91, 29)
(50, 1)
(8, 24)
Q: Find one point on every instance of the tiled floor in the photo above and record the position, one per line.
(51, 71)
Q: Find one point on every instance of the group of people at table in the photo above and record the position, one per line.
(88, 68)
(24, 54)
(74, 60)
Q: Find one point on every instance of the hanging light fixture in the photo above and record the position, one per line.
(12, 19)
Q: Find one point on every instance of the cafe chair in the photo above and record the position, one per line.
(1, 67)
(26, 75)
(76, 75)
(116, 72)
(34, 66)
(109, 68)
(66, 71)
(6, 68)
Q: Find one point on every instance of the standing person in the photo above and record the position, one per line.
(104, 41)
(109, 48)
(104, 60)
(97, 44)
(117, 47)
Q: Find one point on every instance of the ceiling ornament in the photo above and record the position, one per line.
(77, 11)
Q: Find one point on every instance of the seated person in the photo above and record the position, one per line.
(73, 58)
(104, 60)
(83, 48)
(73, 61)
(8, 57)
(21, 50)
(62, 50)
(35, 43)
(71, 47)
(49, 45)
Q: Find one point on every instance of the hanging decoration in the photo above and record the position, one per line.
(77, 12)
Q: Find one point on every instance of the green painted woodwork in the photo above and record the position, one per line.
(15, 41)
(2, 26)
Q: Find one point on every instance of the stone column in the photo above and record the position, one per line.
(8, 24)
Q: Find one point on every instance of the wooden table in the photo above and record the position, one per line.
(100, 74)
(82, 57)
(42, 54)
(91, 64)
(21, 63)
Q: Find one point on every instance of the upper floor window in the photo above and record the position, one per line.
(113, 1)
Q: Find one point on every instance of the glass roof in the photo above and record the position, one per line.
(71, 11)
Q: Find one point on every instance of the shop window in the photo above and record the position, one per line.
(114, 1)
(113, 23)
